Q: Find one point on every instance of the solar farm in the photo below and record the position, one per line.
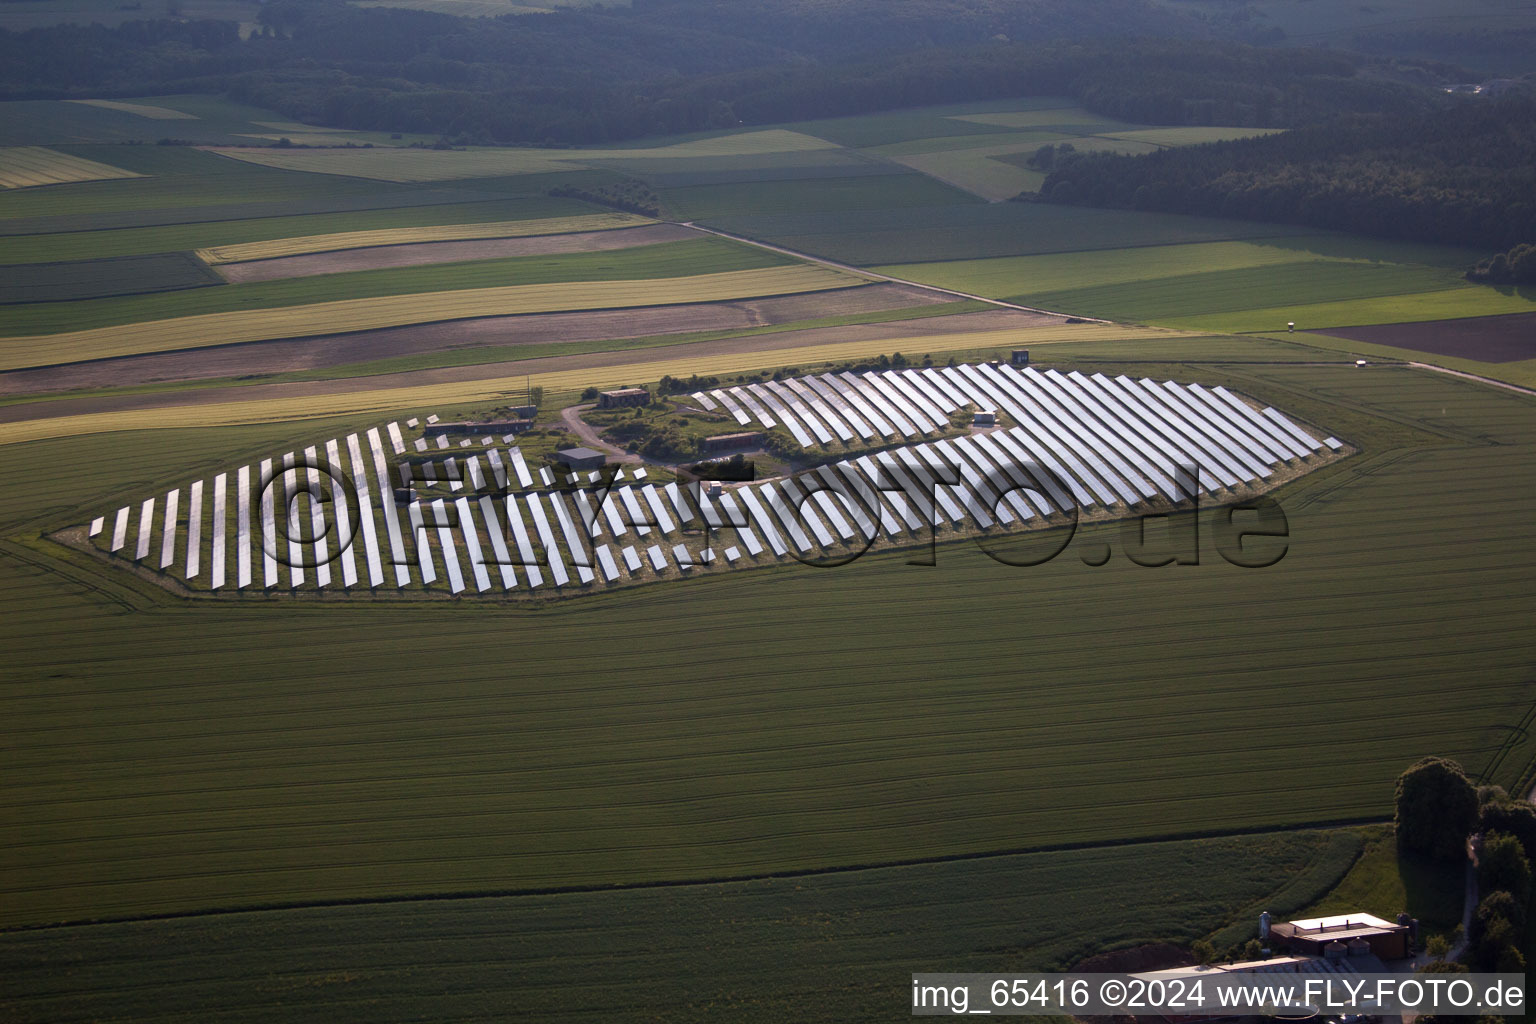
(312, 673)
(1085, 445)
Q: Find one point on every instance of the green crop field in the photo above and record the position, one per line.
(1452, 300)
(356, 314)
(832, 948)
(1189, 299)
(88, 279)
(665, 260)
(67, 245)
(713, 203)
(407, 165)
(976, 230)
(294, 772)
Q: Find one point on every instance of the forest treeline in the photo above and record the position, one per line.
(668, 66)
(1465, 175)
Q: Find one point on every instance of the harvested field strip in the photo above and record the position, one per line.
(1489, 339)
(278, 247)
(27, 166)
(229, 328)
(662, 260)
(421, 254)
(302, 401)
(141, 109)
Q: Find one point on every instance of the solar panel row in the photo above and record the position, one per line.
(1075, 441)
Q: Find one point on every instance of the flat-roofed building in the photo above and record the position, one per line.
(623, 398)
(1312, 937)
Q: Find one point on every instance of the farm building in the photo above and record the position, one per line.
(580, 458)
(623, 398)
(499, 427)
(726, 442)
(1343, 935)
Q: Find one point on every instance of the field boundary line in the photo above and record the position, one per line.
(1177, 837)
(1475, 377)
(848, 268)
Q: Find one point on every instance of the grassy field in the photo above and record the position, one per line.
(1194, 299)
(433, 233)
(1457, 300)
(234, 327)
(182, 767)
(1383, 884)
(834, 947)
(27, 166)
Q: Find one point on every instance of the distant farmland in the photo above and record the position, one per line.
(176, 754)
(365, 314)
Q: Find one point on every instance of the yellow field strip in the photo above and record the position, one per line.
(301, 245)
(141, 109)
(443, 397)
(348, 315)
(26, 166)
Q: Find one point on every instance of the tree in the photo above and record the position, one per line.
(1502, 864)
(1436, 809)
(1516, 818)
(1203, 951)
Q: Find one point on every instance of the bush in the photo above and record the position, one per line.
(1512, 817)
